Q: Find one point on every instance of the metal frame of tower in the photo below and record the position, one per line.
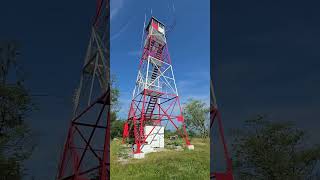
(86, 150)
(155, 97)
(215, 115)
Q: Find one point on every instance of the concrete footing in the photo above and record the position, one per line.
(138, 155)
(190, 147)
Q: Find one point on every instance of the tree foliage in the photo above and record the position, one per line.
(15, 106)
(116, 124)
(196, 114)
(117, 127)
(115, 93)
(273, 150)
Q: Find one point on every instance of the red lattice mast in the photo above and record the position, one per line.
(155, 99)
(86, 151)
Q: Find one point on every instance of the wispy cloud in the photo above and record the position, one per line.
(199, 74)
(134, 53)
(115, 5)
(125, 101)
(195, 85)
(123, 29)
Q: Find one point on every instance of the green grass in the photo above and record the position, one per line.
(170, 164)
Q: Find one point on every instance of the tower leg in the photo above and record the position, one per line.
(184, 134)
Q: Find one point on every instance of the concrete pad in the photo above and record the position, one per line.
(146, 148)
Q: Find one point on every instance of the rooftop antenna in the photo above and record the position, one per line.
(144, 26)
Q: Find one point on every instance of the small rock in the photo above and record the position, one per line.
(179, 148)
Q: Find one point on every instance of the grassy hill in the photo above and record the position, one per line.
(168, 164)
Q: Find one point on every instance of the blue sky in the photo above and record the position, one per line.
(188, 42)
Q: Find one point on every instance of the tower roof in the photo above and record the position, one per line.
(155, 19)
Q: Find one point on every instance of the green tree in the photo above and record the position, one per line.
(15, 107)
(115, 105)
(273, 150)
(196, 115)
(168, 133)
(115, 93)
(116, 125)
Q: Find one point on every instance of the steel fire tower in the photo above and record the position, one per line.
(85, 153)
(155, 97)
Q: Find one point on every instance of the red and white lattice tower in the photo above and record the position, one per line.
(86, 151)
(216, 117)
(155, 98)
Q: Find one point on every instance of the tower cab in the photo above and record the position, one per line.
(155, 40)
(156, 28)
